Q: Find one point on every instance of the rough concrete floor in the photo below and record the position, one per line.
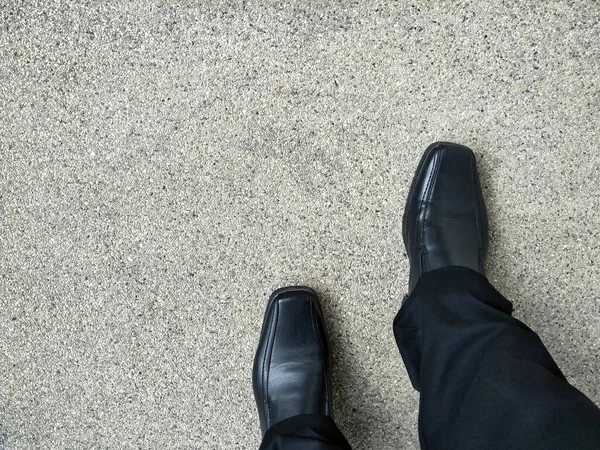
(165, 165)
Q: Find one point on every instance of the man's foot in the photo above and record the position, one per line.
(292, 367)
(445, 221)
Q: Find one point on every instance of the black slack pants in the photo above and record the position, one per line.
(486, 381)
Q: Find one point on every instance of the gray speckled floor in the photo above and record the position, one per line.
(165, 165)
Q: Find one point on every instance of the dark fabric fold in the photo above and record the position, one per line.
(485, 379)
(305, 432)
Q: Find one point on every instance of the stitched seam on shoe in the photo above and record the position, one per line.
(478, 214)
(266, 374)
(322, 351)
(432, 175)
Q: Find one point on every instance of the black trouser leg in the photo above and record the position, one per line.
(306, 432)
(486, 381)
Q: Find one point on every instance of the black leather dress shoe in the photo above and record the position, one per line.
(292, 367)
(445, 221)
